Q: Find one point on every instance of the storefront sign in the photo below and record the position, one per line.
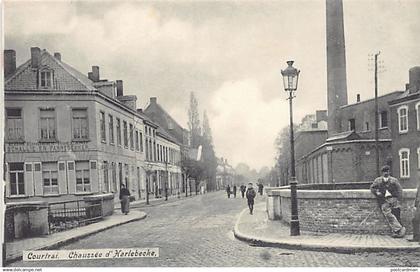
(45, 147)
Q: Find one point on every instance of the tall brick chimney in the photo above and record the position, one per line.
(336, 64)
(9, 62)
(95, 74)
(414, 79)
(120, 87)
(35, 57)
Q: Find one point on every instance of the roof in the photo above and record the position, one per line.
(405, 96)
(347, 135)
(165, 113)
(161, 131)
(372, 99)
(65, 76)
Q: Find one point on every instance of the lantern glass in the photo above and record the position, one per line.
(290, 77)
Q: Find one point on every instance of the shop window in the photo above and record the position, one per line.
(106, 177)
(14, 125)
(50, 178)
(17, 181)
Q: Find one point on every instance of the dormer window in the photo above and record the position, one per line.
(46, 79)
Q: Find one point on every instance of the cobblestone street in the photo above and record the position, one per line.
(198, 232)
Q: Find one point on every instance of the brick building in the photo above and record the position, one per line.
(405, 126)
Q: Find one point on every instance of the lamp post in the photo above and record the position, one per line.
(290, 81)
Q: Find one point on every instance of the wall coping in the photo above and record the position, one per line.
(27, 204)
(332, 194)
(99, 197)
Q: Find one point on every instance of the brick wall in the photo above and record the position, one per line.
(339, 210)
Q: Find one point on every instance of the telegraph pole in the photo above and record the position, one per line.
(376, 115)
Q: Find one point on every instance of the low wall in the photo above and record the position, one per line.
(107, 201)
(347, 211)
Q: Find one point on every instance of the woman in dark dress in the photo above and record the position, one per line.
(125, 199)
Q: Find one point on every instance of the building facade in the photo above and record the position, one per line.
(405, 124)
(68, 135)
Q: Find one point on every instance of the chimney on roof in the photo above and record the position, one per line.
(95, 73)
(57, 55)
(358, 98)
(414, 79)
(120, 88)
(153, 100)
(9, 62)
(35, 57)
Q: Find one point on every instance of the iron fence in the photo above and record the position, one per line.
(66, 215)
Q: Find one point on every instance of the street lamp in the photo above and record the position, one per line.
(290, 81)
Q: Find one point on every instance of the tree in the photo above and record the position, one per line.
(209, 156)
(194, 121)
(283, 159)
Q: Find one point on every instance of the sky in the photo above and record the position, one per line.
(229, 53)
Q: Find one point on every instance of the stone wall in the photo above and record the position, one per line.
(347, 211)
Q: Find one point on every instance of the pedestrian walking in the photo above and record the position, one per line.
(234, 191)
(388, 192)
(243, 189)
(228, 191)
(125, 199)
(416, 219)
(250, 195)
(260, 188)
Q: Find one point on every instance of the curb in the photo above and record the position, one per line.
(312, 247)
(70, 240)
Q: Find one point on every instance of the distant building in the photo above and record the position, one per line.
(224, 174)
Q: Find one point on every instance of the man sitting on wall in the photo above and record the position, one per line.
(388, 192)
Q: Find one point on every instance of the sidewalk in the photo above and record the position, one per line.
(258, 230)
(14, 250)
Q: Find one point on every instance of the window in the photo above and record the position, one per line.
(46, 79)
(82, 177)
(111, 129)
(418, 158)
(131, 136)
(418, 115)
(106, 178)
(352, 124)
(102, 124)
(14, 125)
(118, 131)
(383, 119)
(403, 119)
(114, 176)
(50, 177)
(137, 141)
(404, 163)
(141, 142)
(366, 126)
(80, 124)
(125, 134)
(17, 182)
(47, 124)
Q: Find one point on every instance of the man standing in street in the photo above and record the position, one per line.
(416, 219)
(234, 191)
(250, 195)
(243, 189)
(228, 191)
(388, 192)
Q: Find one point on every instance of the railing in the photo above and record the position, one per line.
(66, 215)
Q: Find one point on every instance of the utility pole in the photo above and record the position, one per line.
(376, 115)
